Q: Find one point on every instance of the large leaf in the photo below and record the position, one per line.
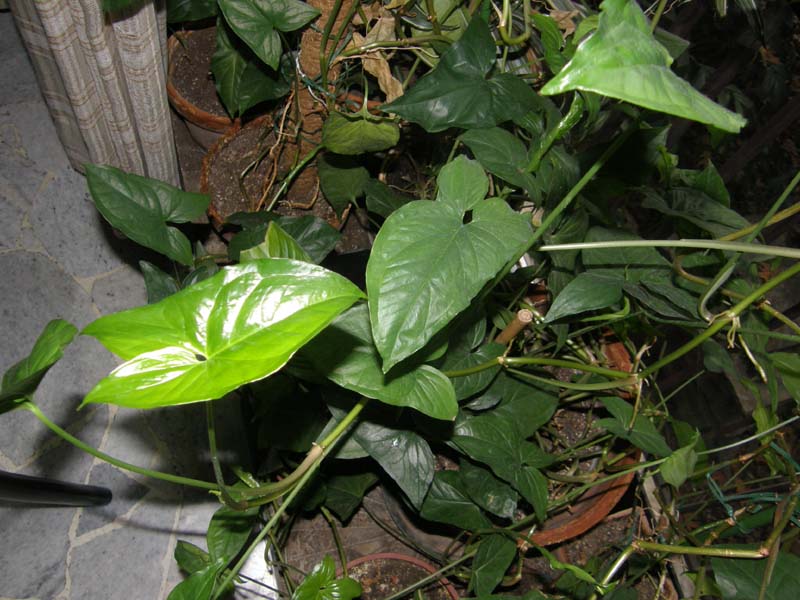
(277, 244)
(642, 433)
(588, 291)
(322, 584)
(427, 265)
(141, 208)
(258, 22)
(494, 556)
(447, 502)
(622, 60)
(457, 93)
(21, 379)
(356, 134)
(240, 325)
(740, 579)
(344, 352)
(403, 454)
(179, 11)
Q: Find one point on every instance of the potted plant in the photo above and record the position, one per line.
(409, 367)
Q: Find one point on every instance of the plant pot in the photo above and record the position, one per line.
(384, 574)
(190, 88)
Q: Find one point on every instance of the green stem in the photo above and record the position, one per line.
(752, 438)
(657, 16)
(729, 316)
(504, 28)
(336, 538)
(703, 244)
(578, 187)
(433, 576)
(582, 387)
(564, 364)
(402, 43)
(560, 130)
(323, 46)
(30, 406)
(292, 174)
(781, 216)
(698, 551)
(432, 18)
(212, 446)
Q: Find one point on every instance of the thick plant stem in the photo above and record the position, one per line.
(30, 406)
(212, 446)
(560, 130)
(700, 244)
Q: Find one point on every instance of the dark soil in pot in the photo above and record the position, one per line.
(382, 575)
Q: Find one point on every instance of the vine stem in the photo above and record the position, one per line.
(687, 243)
(30, 406)
(506, 361)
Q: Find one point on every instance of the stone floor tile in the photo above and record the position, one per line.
(16, 73)
(126, 493)
(119, 290)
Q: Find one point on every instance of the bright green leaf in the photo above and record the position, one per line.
(462, 184)
(427, 265)
(788, 366)
(322, 584)
(190, 558)
(679, 466)
(240, 325)
(199, 585)
(277, 244)
(357, 134)
(344, 353)
(622, 60)
(141, 208)
(22, 379)
(494, 556)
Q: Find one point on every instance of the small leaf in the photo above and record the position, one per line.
(241, 325)
(199, 585)
(788, 366)
(494, 556)
(321, 584)
(623, 61)
(642, 434)
(462, 184)
(277, 244)
(341, 180)
(679, 466)
(21, 379)
(588, 291)
(179, 11)
(228, 532)
(158, 284)
(141, 208)
(381, 199)
(502, 154)
(446, 502)
(349, 134)
(345, 493)
(190, 558)
(487, 491)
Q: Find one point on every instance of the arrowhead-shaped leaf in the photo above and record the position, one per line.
(21, 379)
(277, 244)
(622, 60)
(322, 584)
(238, 326)
(494, 556)
(141, 208)
(356, 134)
(344, 352)
(427, 265)
(447, 502)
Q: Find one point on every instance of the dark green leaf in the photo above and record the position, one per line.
(697, 208)
(381, 199)
(21, 379)
(447, 502)
(190, 558)
(487, 491)
(643, 434)
(552, 41)
(199, 585)
(114, 5)
(315, 235)
(788, 366)
(341, 180)
(321, 584)
(404, 455)
(345, 493)
(158, 284)
(427, 264)
(141, 208)
(470, 385)
(622, 60)
(228, 532)
(740, 579)
(277, 244)
(494, 556)
(588, 291)
(240, 325)
(462, 184)
(458, 94)
(717, 359)
(534, 595)
(357, 134)
(180, 11)
(344, 353)
(523, 406)
(502, 154)
(679, 466)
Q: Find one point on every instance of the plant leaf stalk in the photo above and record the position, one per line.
(560, 130)
(687, 243)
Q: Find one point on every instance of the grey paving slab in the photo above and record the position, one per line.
(13, 210)
(16, 73)
(126, 494)
(119, 290)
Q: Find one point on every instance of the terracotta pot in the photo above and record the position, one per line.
(386, 573)
(204, 127)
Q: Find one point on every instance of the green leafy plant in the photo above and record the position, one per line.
(513, 288)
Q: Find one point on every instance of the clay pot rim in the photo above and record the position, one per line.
(418, 562)
(184, 107)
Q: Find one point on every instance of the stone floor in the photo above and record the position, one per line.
(59, 260)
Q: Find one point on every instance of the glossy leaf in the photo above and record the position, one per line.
(357, 134)
(277, 244)
(487, 491)
(458, 359)
(740, 579)
(447, 502)
(457, 93)
(381, 199)
(158, 284)
(492, 560)
(180, 11)
(21, 379)
(190, 558)
(341, 180)
(502, 154)
(240, 325)
(404, 455)
(199, 585)
(322, 584)
(344, 352)
(588, 291)
(642, 434)
(228, 532)
(313, 234)
(523, 406)
(344, 493)
(679, 466)
(141, 208)
(427, 265)
(462, 184)
(257, 23)
(622, 60)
